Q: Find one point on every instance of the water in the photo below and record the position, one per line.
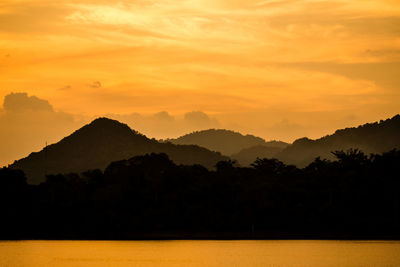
(199, 253)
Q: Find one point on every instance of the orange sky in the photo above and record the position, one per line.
(280, 69)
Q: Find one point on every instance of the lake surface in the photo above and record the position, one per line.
(200, 253)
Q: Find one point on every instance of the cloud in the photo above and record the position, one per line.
(164, 116)
(27, 123)
(95, 84)
(200, 119)
(15, 102)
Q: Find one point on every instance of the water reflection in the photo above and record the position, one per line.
(200, 253)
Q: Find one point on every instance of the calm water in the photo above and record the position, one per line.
(199, 253)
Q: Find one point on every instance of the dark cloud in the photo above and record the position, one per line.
(95, 84)
(22, 102)
(164, 116)
(200, 119)
(196, 116)
(27, 123)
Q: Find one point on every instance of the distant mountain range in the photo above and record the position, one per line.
(101, 142)
(225, 141)
(375, 137)
(104, 141)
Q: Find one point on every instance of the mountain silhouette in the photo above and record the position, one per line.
(225, 141)
(103, 141)
(375, 137)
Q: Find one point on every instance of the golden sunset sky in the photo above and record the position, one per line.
(279, 69)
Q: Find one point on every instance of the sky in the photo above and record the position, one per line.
(278, 69)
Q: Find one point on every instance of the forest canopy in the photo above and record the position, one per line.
(150, 197)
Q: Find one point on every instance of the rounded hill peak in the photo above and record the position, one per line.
(108, 126)
(104, 130)
(106, 122)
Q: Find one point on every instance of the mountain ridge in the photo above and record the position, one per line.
(101, 142)
(227, 142)
(376, 137)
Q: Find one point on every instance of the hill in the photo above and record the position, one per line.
(225, 141)
(102, 141)
(375, 137)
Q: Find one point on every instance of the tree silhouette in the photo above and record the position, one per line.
(149, 196)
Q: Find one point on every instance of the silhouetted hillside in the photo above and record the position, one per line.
(370, 138)
(248, 155)
(149, 197)
(225, 141)
(101, 142)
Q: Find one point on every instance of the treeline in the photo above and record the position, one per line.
(356, 196)
(374, 138)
